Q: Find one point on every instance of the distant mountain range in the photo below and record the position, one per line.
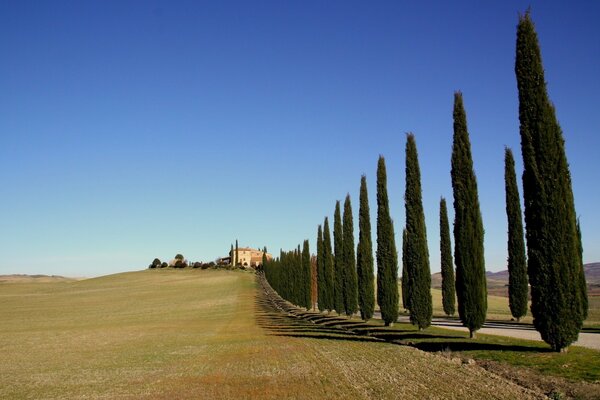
(500, 279)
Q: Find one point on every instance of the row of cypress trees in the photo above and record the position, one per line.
(554, 263)
(290, 275)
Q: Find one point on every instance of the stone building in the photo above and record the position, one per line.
(248, 257)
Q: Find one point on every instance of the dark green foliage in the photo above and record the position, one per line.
(231, 255)
(471, 287)
(518, 291)
(164, 264)
(155, 263)
(328, 266)
(448, 284)
(404, 272)
(583, 283)
(290, 277)
(554, 256)
(350, 284)
(338, 247)
(321, 282)
(179, 257)
(364, 256)
(307, 277)
(387, 257)
(264, 258)
(417, 253)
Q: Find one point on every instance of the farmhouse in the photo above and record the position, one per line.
(248, 257)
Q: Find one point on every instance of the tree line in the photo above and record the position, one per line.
(550, 262)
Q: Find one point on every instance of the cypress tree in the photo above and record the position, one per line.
(313, 281)
(231, 255)
(264, 257)
(364, 256)
(553, 262)
(328, 266)
(321, 283)
(471, 287)
(338, 247)
(517, 264)
(299, 276)
(350, 283)
(582, 281)
(307, 284)
(448, 291)
(417, 253)
(387, 257)
(236, 253)
(404, 272)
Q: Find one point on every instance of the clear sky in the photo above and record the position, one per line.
(138, 129)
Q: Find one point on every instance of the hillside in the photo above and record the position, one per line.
(33, 278)
(166, 334)
(497, 281)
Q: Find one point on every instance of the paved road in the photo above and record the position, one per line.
(519, 331)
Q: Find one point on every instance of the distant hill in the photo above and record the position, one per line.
(33, 278)
(498, 280)
(592, 273)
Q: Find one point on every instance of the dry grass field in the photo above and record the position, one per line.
(165, 334)
(498, 309)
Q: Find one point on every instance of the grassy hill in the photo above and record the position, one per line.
(165, 334)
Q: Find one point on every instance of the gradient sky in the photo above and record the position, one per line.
(138, 129)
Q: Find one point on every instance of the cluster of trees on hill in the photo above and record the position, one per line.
(180, 262)
(553, 265)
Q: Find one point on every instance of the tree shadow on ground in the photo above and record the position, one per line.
(279, 318)
(469, 345)
(343, 337)
(591, 330)
(404, 335)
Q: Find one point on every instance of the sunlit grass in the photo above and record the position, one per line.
(200, 334)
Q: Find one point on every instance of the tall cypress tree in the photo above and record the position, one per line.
(350, 283)
(338, 247)
(307, 284)
(231, 255)
(321, 283)
(328, 266)
(582, 281)
(236, 253)
(417, 253)
(387, 257)
(517, 263)
(364, 256)
(404, 272)
(448, 291)
(264, 258)
(557, 295)
(471, 287)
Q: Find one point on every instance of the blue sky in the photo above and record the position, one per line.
(140, 129)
